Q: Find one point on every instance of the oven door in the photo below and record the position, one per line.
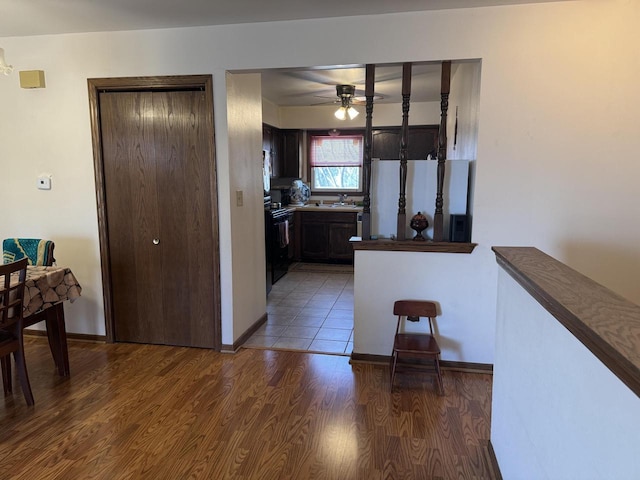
(280, 246)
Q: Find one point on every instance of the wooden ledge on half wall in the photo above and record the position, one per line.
(389, 245)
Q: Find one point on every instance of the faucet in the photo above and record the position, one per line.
(342, 197)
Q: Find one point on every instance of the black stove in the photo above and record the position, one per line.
(278, 223)
(279, 212)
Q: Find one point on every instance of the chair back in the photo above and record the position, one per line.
(36, 250)
(12, 292)
(415, 308)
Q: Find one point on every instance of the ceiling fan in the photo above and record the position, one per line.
(345, 95)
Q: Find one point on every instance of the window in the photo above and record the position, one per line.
(335, 162)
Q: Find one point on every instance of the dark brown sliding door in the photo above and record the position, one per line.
(158, 196)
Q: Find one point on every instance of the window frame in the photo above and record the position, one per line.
(326, 133)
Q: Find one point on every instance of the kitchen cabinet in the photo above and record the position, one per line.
(324, 236)
(422, 140)
(284, 149)
(272, 143)
(291, 143)
(268, 146)
(267, 133)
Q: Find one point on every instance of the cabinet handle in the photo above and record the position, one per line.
(156, 241)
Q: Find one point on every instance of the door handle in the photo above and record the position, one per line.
(156, 241)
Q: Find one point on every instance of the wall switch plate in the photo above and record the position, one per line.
(44, 182)
(239, 198)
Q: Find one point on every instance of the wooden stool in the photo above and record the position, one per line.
(416, 346)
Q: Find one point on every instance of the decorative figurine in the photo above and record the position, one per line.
(299, 192)
(419, 223)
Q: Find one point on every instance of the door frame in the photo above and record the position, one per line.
(177, 82)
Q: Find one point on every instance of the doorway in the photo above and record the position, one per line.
(157, 209)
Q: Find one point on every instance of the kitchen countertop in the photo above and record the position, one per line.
(329, 207)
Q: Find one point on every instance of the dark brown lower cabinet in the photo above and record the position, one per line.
(324, 236)
(339, 234)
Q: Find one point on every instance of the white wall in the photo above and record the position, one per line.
(244, 116)
(270, 113)
(464, 300)
(464, 98)
(569, 416)
(556, 151)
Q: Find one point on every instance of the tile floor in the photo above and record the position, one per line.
(309, 311)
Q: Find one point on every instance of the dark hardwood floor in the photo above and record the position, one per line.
(153, 412)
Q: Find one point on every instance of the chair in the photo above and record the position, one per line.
(11, 308)
(37, 251)
(411, 349)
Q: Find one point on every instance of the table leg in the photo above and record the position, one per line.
(57, 335)
(5, 366)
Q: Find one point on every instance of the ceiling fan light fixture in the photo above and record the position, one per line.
(342, 112)
(4, 68)
(345, 94)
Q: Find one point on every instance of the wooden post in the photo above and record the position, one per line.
(370, 71)
(438, 227)
(404, 138)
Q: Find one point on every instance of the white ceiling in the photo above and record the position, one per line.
(318, 86)
(283, 87)
(37, 17)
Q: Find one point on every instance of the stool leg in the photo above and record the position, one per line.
(394, 361)
(439, 377)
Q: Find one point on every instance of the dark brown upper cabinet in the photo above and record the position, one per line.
(284, 149)
(422, 141)
(291, 142)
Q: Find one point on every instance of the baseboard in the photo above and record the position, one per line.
(226, 348)
(467, 367)
(492, 460)
(368, 358)
(82, 337)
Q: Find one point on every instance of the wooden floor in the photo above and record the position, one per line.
(153, 412)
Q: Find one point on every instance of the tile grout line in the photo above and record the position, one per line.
(325, 318)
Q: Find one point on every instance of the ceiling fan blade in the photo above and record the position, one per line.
(327, 102)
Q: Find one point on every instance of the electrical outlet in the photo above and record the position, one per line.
(239, 198)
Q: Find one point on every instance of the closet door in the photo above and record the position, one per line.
(158, 208)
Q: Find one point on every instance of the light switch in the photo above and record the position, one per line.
(44, 182)
(239, 198)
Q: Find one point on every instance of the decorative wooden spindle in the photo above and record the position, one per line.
(438, 228)
(404, 138)
(370, 71)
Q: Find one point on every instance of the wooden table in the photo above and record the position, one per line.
(46, 288)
